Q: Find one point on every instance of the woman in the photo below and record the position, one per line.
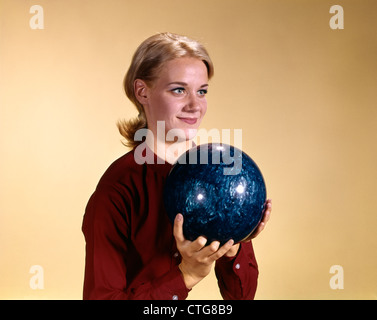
(132, 251)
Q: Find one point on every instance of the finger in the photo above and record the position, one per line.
(222, 250)
(267, 211)
(268, 205)
(258, 230)
(210, 249)
(198, 244)
(266, 216)
(260, 226)
(178, 229)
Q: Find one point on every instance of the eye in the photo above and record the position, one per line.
(202, 92)
(178, 90)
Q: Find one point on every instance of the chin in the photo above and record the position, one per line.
(181, 135)
(191, 133)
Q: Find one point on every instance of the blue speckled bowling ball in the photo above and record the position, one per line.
(219, 190)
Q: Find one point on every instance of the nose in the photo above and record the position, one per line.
(193, 103)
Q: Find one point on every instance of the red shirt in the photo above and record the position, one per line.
(130, 247)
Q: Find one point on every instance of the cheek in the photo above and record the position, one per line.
(162, 107)
(204, 108)
(173, 107)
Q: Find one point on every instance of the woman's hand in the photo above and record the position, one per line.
(262, 224)
(197, 258)
(265, 218)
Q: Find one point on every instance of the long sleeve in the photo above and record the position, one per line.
(238, 276)
(118, 267)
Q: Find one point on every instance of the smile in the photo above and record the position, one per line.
(189, 120)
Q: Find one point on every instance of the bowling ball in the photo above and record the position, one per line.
(219, 190)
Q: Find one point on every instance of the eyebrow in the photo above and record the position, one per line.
(184, 84)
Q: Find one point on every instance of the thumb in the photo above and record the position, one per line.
(178, 228)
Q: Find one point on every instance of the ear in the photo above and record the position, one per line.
(141, 91)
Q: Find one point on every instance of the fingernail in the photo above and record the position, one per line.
(179, 217)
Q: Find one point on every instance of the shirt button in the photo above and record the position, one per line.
(175, 297)
(237, 266)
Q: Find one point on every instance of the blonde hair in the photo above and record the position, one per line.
(148, 59)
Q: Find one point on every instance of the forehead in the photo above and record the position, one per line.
(186, 68)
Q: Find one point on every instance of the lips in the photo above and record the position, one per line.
(189, 120)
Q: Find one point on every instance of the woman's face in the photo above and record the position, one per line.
(178, 97)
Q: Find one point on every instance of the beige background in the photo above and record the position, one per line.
(303, 94)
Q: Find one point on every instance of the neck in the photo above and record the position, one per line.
(167, 150)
